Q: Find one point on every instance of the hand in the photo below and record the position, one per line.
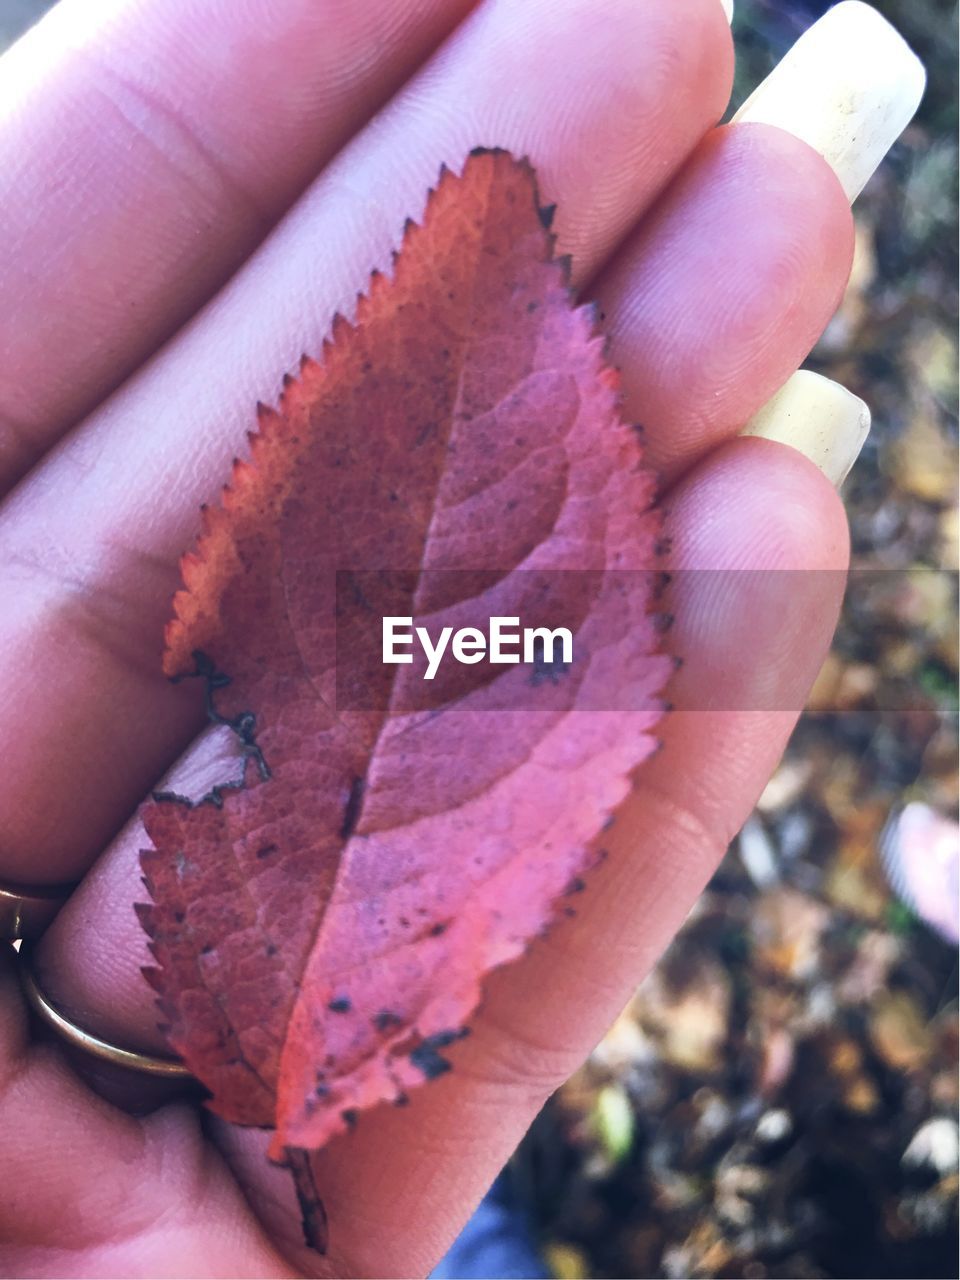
(146, 153)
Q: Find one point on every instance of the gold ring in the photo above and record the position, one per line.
(27, 909)
(144, 1063)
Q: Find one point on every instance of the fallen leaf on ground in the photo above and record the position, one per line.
(787, 928)
(900, 1033)
(686, 1010)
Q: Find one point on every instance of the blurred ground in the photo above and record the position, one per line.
(780, 1097)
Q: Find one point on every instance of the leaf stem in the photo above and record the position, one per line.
(311, 1206)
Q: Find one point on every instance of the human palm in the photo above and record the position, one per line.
(150, 148)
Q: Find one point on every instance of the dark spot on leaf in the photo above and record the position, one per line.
(541, 669)
(425, 1056)
(386, 1021)
(426, 1059)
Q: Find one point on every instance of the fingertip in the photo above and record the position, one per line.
(803, 176)
(726, 287)
(760, 555)
(759, 504)
(790, 233)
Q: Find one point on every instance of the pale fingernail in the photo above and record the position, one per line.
(848, 87)
(728, 9)
(825, 421)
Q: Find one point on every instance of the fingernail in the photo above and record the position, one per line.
(825, 421)
(728, 9)
(848, 87)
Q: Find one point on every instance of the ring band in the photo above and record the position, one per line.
(26, 909)
(144, 1063)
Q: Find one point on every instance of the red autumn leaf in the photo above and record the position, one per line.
(323, 931)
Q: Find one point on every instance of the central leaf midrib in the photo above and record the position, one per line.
(414, 595)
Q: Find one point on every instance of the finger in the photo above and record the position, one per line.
(68, 1204)
(721, 294)
(754, 505)
(145, 148)
(90, 543)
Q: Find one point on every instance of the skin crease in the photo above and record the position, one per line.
(91, 538)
